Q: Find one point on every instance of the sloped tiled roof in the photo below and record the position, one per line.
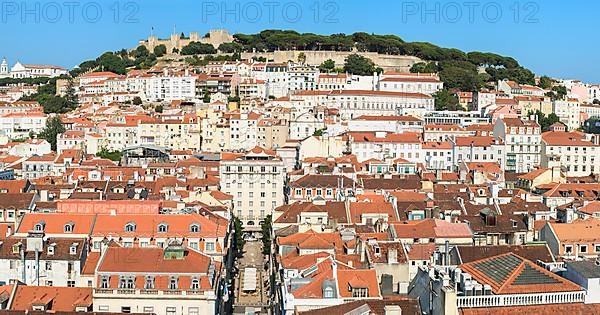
(511, 274)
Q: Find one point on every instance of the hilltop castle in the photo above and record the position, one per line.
(176, 41)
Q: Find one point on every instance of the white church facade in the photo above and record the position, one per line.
(21, 71)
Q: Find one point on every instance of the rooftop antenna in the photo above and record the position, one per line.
(152, 31)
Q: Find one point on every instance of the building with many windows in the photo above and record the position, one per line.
(523, 140)
(37, 260)
(170, 281)
(572, 152)
(255, 180)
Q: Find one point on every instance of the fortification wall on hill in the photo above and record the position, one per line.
(387, 62)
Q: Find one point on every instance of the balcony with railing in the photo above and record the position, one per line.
(153, 293)
(520, 299)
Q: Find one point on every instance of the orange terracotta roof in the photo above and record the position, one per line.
(151, 260)
(59, 299)
(431, 228)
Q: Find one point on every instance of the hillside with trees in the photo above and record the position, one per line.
(459, 70)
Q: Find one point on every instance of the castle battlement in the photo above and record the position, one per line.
(176, 41)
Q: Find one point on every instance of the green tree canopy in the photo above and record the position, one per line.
(444, 100)
(197, 48)
(160, 50)
(54, 127)
(545, 82)
(266, 230)
(359, 65)
(544, 121)
(229, 48)
(424, 67)
(137, 101)
(327, 66)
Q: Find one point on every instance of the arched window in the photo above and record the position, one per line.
(328, 292)
(68, 228)
(163, 228)
(195, 228)
(130, 227)
(39, 227)
(173, 283)
(195, 285)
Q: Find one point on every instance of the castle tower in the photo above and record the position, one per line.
(4, 68)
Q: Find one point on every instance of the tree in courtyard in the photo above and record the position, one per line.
(266, 229)
(54, 127)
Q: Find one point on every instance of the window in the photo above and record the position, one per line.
(359, 292)
(568, 249)
(104, 282)
(71, 283)
(171, 310)
(597, 248)
(193, 311)
(126, 309)
(149, 283)
(173, 283)
(68, 228)
(103, 308)
(195, 284)
(49, 283)
(210, 247)
(583, 248)
(39, 227)
(328, 293)
(163, 228)
(130, 227)
(148, 309)
(195, 228)
(126, 282)
(48, 265)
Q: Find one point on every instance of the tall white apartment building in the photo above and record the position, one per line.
(569, 112)
(168, 87)
(479, 149)
(20, 125)
(382, 146)
(255, 180)
(523, 139)
(573, 152)
(302, 77)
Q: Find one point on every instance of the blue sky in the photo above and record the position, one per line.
(550, 37)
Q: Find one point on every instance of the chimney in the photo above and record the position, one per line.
(35, 242)
(438, 174)
(392, 256)
(380, 134)
(43, 195)
(392, 310)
